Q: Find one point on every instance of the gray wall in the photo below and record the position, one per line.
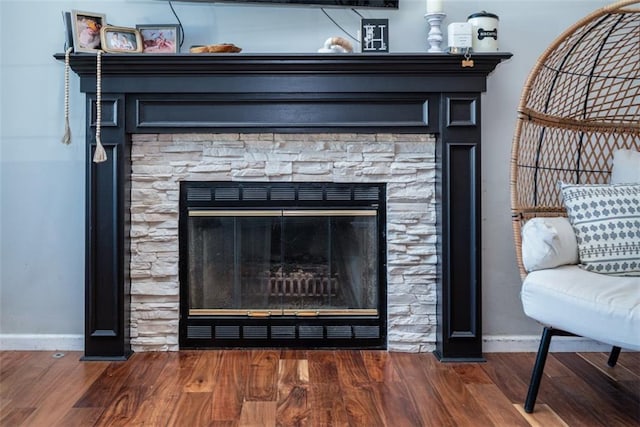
(42, 181)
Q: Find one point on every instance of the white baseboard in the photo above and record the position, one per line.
(530, 343)
(42, 342)
(491, 343)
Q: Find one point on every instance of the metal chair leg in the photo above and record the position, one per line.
(538, 368)
(613, 357)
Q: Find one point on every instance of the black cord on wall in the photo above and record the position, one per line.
(323, 11)
(179, 24)
(339, 26)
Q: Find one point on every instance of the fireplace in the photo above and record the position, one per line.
(380, 188)
(282, 264)
(157, 99)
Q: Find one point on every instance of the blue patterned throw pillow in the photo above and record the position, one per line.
(606, 219)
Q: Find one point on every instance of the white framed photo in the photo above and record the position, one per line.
(86, 28)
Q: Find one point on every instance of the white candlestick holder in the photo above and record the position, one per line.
(435, 33)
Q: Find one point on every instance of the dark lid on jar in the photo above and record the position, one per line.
(483, 14)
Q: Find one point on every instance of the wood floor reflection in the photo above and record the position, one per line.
(314, 388)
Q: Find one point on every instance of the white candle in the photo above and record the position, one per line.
(434, 6)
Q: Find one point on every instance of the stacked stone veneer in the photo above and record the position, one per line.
(405, 162)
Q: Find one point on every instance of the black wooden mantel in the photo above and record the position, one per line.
(301, 93)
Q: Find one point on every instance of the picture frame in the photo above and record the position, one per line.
(160, 38)
(374, 35)
(86, 28)
(68, 30)
(120, 39)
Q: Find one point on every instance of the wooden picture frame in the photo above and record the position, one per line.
(161, 38)
(86, 28)
(120, 39)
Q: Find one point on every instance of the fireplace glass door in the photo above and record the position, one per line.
(283, 262)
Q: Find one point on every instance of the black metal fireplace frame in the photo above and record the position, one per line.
(373, 93)
(335, 331)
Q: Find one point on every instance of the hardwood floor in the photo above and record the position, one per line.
(314, 388)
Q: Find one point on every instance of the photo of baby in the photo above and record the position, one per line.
(159, 39)
(86, 30)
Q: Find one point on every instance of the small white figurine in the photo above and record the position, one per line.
(336, 45)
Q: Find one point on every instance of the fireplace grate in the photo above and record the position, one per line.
(339, 193)
(283, 332)
(339, 331)
(366, 193)
(310, 193)
(366, 331)
(199, 331)
(259, 332)
(310, 332)
(282, 192)
(227, 332)
(227, 193)
(255, 193)
(197, 194)
(301, 286)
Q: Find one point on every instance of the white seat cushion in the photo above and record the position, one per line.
(597, 306)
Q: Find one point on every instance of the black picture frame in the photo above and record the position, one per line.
(374, 35)
(68, 30)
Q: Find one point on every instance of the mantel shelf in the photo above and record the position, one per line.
(397, 63)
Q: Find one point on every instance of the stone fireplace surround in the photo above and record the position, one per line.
(393, 94)
(406, 162)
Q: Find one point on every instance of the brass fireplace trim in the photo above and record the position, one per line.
(330, 212)
(226, 212)
(283, 312)
(283, 212)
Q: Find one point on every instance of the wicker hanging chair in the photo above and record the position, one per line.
(580, 103)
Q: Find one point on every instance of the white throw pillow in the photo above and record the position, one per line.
(626, 167)
(548, 243)
(606, 220)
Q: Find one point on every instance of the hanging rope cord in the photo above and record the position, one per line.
(66, 138)
(100, 155)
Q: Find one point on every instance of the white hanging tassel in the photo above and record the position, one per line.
(100, 155)
(66, 138)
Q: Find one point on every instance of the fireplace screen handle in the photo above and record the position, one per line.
(260, 313)
(308, 313)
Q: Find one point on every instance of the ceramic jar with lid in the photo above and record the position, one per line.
(485, 31)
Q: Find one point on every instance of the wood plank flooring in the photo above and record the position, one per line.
(314, 388)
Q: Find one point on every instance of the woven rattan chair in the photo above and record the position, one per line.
(580, 103)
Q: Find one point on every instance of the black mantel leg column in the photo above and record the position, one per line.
(107, 283)
(459, 301)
